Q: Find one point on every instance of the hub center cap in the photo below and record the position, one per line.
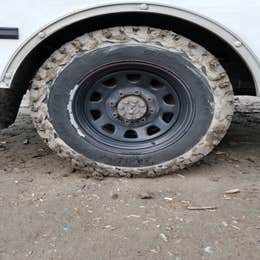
(132, 107)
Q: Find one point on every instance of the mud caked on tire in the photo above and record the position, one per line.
(131, 101)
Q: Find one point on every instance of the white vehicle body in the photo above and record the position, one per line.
(233, 21)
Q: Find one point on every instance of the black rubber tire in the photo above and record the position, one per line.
(204, 79)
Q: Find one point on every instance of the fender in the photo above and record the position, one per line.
(233, 40)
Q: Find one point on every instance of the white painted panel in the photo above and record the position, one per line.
(239, 16)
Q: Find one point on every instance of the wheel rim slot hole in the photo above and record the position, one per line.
(152, 130)
(95, 97)
(156, 84)
(168, 99)
(131, 134)
(133, 78)
(167, 117)
(109, 128)
(111, 82)
(96, 114)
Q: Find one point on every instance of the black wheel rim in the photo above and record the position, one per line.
(133, 105)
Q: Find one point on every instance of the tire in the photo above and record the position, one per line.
(103, 99)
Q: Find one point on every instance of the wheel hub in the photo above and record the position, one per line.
(132, 107)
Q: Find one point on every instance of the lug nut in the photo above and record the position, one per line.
(114, 114)
(121, 94)
(149, 99)
(112, 103)
(151, 111)
(137, 92)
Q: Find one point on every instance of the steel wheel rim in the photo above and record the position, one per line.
(169, 109)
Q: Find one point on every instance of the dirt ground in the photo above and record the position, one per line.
(50, 211)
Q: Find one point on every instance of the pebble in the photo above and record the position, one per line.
(224, 223)
(146, 196)
(227, 197)
(26, 141)
(220, 153)
(209, 250)
(164, 237)
(133, 216)
(114, 196)
(2, 147)
(155, 251)
(235, 227)
(233, 191)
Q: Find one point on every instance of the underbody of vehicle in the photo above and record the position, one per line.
(129, 88)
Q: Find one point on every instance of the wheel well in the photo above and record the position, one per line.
(236, 68)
